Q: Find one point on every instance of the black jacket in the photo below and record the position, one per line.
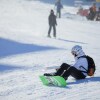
(52, 19)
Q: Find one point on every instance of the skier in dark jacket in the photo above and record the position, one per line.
(52, 23)
(91, 14)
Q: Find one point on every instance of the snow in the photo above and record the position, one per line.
(26, 52)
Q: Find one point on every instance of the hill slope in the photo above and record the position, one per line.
(25, 52)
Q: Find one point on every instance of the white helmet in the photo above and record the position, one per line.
(76, 50)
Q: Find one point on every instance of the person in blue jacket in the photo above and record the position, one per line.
(58, 8)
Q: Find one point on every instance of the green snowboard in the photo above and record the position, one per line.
(53, 80)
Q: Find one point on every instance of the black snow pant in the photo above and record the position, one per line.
(54, 30)
(66, 70)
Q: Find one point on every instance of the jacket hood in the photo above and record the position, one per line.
(80, 54)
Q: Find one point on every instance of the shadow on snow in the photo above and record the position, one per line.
(72, 41)
(87, 80)
(9, 47)
(8, 68)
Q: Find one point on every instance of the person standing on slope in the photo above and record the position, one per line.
(52, 23)
(58, 8)
(78, 70)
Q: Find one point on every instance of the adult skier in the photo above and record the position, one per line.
(77, 70)
(58, 8)
(52, 23)
(92, 12)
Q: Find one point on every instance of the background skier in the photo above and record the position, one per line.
(58, 8)
(92, 12)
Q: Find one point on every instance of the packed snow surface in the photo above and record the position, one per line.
(26, 51)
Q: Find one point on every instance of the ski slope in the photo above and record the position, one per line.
(26, 52)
